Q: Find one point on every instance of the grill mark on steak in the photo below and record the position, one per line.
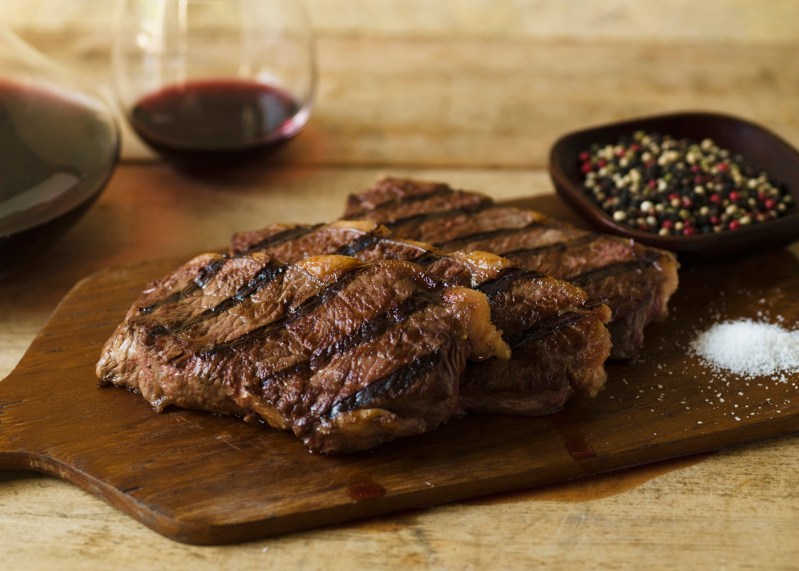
(283, 237)
(279, 375)
(396, 382)
(210, 271)
(636, 298)
(505, 280)
(426, 216)
(426, 258)
(517, 301)
(262, 278)
(460, 241)
(439, 190)
(538, 330)
(245, 338)
(205, 275)
(326, 359)
(376, 326)
(368, 330)
(545, 328)
(399, 380)
(561, 247)
(304, 309)
(363, 243)
(616, 269)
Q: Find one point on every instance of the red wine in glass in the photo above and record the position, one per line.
(212, 123)
(56, 155)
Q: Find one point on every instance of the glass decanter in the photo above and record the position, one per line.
(58, 147)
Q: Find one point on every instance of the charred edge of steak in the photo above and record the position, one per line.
(398, 381)
(561, 247)
(281, 238)
(425, 216)
(204, 276)
(440, 189)
(263, 277)
(418, 301)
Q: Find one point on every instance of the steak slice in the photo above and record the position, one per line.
(634, 280)
(347, 355)
(558, 339)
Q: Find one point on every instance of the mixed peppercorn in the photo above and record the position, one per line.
(668, 186)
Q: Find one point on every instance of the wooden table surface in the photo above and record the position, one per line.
(478, 111)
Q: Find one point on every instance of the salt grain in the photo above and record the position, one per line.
(749, 348)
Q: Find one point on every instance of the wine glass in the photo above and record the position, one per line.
(209, 83)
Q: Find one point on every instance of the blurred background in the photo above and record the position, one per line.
(739, 21)
(444, 61)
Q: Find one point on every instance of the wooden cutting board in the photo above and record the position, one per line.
(203, 479)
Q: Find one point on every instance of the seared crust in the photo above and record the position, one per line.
(557, 334)
(635, 281)
(345, 354)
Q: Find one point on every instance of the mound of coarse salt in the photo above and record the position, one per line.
(749, 348)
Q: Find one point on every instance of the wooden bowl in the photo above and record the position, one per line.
(756, 145)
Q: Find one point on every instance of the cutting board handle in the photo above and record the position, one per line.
(13, 453)
(44, 409)
(32, 432)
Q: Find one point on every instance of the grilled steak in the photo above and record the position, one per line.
(634, 280)
(557, 335)
(343, 353)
